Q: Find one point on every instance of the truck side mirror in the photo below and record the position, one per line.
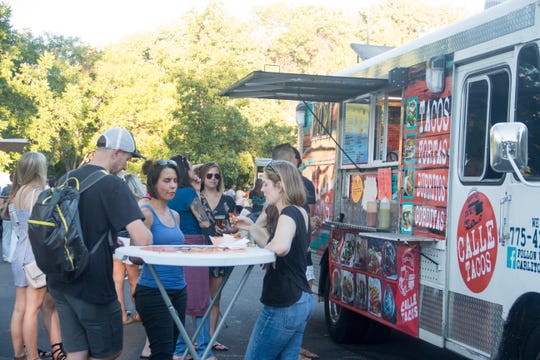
(508, 141)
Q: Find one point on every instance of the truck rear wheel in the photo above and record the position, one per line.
(376, 333)
(344, 325)
(519, 340)
(531, 348)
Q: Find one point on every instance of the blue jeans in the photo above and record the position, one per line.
(278, 331)
(203, 339)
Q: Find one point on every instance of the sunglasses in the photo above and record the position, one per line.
(210, 175)
(167, 162)
(269, 166)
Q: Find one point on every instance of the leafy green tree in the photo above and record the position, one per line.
(164, 86)
(306, 39)
(133, 91)
(396, 22)
(207, 129)
(211, 51)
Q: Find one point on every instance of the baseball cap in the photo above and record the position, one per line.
(119, 138)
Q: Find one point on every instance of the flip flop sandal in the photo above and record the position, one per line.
(219, 347)
(44, 354)
(128, 321)
(188, 357)
(308, 354)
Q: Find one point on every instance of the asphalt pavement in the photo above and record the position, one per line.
(235, 335)
(238, 328)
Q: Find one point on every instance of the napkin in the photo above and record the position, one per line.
(228, 241)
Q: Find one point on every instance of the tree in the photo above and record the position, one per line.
(306, 39)
(211, 51)
(164, 86)
(396, 22)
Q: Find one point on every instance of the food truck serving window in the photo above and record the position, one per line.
(387, 121)
(356, 132)
(372, 129)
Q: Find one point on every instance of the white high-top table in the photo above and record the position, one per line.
(198, 255)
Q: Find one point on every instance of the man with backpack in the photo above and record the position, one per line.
(88, 308)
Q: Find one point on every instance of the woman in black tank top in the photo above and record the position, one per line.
(286, 294)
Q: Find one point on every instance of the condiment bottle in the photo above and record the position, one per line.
(371, 218)
(384, 214)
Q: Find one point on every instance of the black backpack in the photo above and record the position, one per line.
(54, 229)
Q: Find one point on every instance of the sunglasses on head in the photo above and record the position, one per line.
(216, 176)
(167, 162)
(269, 166)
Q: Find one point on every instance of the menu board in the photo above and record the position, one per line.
(355, 135)
(375, 277)
(426, 144)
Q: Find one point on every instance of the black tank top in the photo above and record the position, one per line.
(283, 286)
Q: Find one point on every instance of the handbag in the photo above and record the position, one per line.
(35, 277)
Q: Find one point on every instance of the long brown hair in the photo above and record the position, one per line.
(32, 167)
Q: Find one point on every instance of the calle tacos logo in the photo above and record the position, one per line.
(477, 242)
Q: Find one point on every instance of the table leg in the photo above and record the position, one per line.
(209, 310)
(173, 313)
(221, 322)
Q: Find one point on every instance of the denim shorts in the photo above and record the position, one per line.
(94, 327)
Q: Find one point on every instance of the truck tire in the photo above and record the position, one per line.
(531, 346)
(344, 325)
(376, 333)
(519, 340)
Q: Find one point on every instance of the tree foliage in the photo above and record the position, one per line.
(164, 86)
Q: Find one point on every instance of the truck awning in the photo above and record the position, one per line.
(301, 87)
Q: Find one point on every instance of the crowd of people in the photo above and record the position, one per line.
(176, 203)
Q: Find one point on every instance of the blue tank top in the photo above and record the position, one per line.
(172, 277)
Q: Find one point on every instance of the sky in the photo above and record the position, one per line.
(102, 22)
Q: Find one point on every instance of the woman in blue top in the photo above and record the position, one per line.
(163, 222)
(194, 219)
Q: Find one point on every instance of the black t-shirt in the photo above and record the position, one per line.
(283, 286)
(311, 197)
(107, 206)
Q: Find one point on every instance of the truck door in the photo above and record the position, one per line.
(493, 217)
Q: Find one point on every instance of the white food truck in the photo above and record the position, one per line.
(426, 164)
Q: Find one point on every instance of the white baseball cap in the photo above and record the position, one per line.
(119, 138)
